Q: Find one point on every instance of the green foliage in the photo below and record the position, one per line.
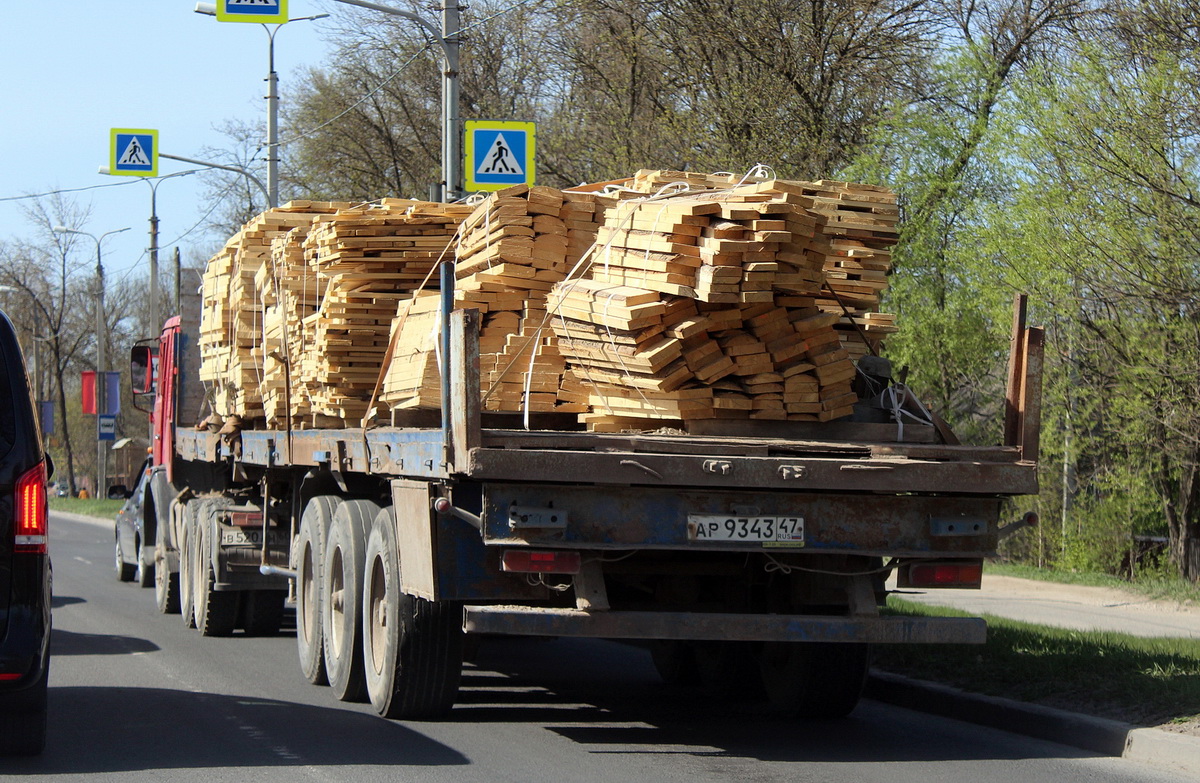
(1149, 681)
(1156, 582)
(100, 508)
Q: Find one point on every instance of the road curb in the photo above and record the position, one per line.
(1180, 752)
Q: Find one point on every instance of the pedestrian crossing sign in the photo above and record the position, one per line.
(498, 154)
(264, 11)
(133, 152)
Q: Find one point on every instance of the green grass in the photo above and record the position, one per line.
(1174, 589)
(92, 507)
(1139, 680)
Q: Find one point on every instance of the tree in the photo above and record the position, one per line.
(945, 152)
(57, 291)
(1116, 133)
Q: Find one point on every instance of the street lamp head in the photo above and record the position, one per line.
(208, 9)
(63, 230)
(104, 170)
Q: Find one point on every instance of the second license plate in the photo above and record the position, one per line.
(248, 537)
(785, 531)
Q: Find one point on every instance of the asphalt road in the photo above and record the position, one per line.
(134, 696)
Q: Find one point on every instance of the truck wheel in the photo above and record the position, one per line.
(187, 563)
(412, 648)
(341, 615)
(166, 584)
(125, 570)
(310, 558)
(23, 719)
(262, 612)
(814, 679)
(216, 611)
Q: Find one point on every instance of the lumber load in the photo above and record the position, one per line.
(516, 244)
(300, 303)
(233, 341)
(413, 379)
(713, 304)
(370, 259)
(848, 256)
(673, 297)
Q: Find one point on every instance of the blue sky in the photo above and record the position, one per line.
(76, 68)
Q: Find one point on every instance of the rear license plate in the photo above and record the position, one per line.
(249, 536)
(769, 531)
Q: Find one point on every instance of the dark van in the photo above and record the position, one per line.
(24, 559)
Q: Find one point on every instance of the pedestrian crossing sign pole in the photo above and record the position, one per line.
(133, 153)
(498, 154)
(264, 11)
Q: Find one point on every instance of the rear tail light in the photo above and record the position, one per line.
(527, 561)
(968, 574)
(29, 533)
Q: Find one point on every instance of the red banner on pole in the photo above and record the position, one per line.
(89, 391)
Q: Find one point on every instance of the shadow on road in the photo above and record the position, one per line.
(608, 695)
(72, 643)
(102, 730)
(59, 601)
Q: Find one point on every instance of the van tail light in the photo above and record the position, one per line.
(528, 561)
(961, 574)
(29, 532)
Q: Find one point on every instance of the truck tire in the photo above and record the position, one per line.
(814, 679)
(216, 610)
(341, 615)
(262, 612)
(412, 648)
(310, 559)
(187, 563)
(125, 570)
(166, 584)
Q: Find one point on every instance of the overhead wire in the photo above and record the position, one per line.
(67, 190)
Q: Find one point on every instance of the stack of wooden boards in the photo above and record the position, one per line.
(702, 305)
(233, 343)
(511, 251)
(311, 305)
(672, 296)
(856, 229)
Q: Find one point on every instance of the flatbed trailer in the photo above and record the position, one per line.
(732, 545)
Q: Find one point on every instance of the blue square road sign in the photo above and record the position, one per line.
(499, 154)
(133, 152)
(264, 11)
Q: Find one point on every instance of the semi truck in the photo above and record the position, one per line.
(740, 546)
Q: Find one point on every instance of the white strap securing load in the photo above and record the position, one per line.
(903, 404)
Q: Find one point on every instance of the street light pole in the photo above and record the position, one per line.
(101, 352)
(451, 145)
(155, 317)
(208, 9)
